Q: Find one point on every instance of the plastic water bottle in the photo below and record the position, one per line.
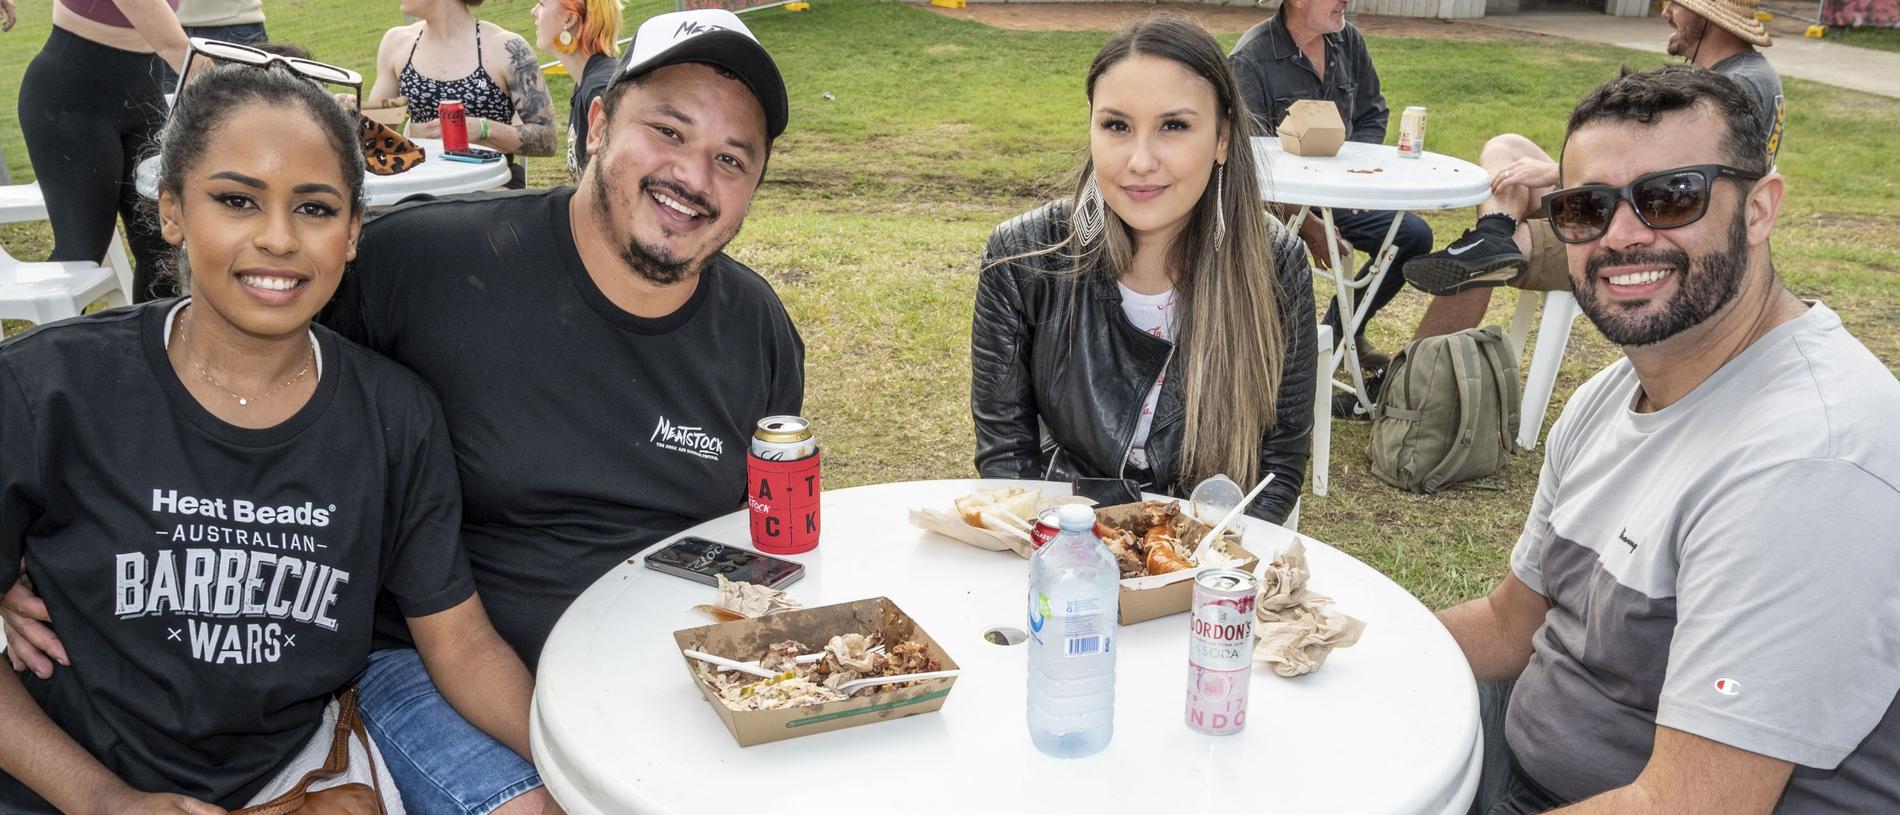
(1073, 590)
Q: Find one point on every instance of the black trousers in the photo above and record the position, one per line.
(1365, 229)
(89, 112)
(1503, 788)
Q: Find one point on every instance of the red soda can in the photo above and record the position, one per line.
(1220, 650)
(1045, 529)
(783, 483)
(454, 125)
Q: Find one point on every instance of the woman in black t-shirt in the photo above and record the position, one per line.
(582, 35)
(211, 494)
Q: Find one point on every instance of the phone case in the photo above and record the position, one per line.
(693, 559)
(472, 157)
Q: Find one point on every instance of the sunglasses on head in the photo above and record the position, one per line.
(220, 51)
(1661, 200)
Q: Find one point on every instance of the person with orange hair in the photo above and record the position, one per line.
(582, 34)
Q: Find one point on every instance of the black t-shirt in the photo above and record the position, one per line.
(583, 433)
(592, 81)
(214, 585)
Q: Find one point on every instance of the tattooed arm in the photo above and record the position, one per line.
(534, 135)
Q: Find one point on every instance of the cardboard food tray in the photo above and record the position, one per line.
(391, 113)
(1142, 604)
(747, 639)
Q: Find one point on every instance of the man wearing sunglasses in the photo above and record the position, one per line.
(1511, 245)
(1699, 615)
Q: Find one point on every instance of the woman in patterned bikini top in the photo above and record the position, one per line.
(501, 88)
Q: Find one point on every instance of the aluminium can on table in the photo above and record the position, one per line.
(783, 438)
(1220, 650)
(1045, 530)
(1412, 132)
(454, 121)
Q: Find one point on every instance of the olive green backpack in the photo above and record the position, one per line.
(1448, 411)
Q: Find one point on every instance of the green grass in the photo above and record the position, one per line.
(878, 201)
(1885, 39)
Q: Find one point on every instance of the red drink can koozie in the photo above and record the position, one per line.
(783, 498)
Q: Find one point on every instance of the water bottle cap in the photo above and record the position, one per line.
(1075, 518)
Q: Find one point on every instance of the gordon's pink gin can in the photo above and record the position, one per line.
(1220, 650)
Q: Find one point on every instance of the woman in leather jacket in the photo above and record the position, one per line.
(1157, 326)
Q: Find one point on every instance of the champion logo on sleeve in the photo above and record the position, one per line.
(1727, 687)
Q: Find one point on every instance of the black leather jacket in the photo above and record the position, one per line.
(1059, 374)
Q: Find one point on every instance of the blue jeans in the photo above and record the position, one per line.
(440, 763)
(1365, 230)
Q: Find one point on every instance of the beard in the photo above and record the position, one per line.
(1678, 45)
(654, 262)
(1701, 291)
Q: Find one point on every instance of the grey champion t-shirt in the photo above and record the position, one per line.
(1726, 567)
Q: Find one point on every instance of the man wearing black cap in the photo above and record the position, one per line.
(600, 361)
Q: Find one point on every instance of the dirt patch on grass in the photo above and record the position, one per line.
(945, 48)
(1220, 19)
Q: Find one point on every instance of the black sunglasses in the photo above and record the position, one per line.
(221, 51)
(1661, 200)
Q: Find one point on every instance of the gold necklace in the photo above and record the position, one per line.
(244, 401)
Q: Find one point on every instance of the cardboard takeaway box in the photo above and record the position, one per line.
(391, 113)
(1141, 598)
(1312, 128)
(747, 639)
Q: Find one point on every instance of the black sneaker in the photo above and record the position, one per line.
(1483, 257)
(1346, 405)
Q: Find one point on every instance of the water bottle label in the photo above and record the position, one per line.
(1079, 628)
(1084, 646)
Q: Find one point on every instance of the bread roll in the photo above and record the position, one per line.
(999, 503)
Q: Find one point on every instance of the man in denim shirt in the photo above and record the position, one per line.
(1309, 51)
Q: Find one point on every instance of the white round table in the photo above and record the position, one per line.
(435, 175)
(1363, 176)
(1389, 725)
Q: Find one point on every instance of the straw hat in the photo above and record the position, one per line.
(1736, 16)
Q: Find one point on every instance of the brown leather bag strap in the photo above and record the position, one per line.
(348, 722)
(348, 710)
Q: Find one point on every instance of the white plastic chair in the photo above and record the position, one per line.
(44, 292)
(1553, 335)
(23, 203)
(1322, 417)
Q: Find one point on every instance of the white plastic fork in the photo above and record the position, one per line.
(847, 688)
(751, 668)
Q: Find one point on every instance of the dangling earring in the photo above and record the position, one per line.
(564, 42)
(1091, 215)
(1220, 205)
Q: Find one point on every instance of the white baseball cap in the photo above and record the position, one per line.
(716, 37)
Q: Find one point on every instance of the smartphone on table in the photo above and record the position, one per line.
(700, 560)
(473, 155)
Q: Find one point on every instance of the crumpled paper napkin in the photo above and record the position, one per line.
(1296, 628)
(751, 599)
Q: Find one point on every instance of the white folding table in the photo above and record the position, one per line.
(1363, 176)
(435, 175)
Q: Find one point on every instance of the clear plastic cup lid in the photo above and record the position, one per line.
(1214, 498)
